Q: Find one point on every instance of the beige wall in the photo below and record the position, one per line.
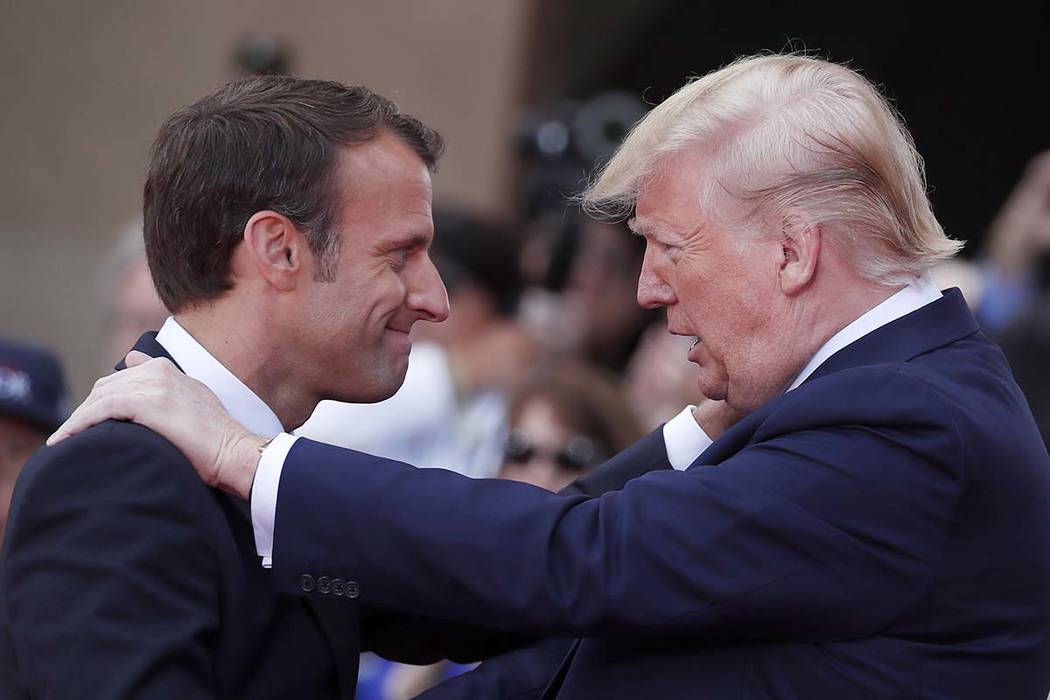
(85, 85)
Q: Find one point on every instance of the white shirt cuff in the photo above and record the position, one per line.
(264, 494)
(684, 439)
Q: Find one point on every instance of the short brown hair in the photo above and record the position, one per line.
(269, 142)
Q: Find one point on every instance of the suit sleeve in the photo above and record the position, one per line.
(827, 525)
(109, 580)
(421, 640)
(647, 455)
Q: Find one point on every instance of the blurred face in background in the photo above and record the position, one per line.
(18, 441)
(601, 291)
(136, 308)
(543, 450)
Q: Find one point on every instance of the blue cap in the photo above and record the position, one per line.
(32, 387)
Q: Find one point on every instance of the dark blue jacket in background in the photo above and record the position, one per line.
(882, 531)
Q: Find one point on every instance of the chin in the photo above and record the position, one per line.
(716, 391)
(383, 388)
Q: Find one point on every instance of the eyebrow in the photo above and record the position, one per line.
(637, 228)
(415, 240)
(646, 231)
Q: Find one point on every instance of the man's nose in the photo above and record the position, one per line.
(428, 297)
(653, 291)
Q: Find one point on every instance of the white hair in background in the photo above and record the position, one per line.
(789, 136)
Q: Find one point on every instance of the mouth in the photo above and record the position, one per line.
(694, 350)
(400, 338)
(694, 341)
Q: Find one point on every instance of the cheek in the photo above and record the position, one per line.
(324, 317)
(384, 291)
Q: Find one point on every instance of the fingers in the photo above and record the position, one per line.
(76, 422)
(136, 358)
(93, 411)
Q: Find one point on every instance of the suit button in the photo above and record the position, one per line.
(306, 583)
(324, 585)
(351, 589)
(337, 587)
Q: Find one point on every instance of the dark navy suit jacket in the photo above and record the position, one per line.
(124, 576)
(882, 531)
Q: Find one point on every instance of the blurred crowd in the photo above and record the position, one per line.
(545, 367)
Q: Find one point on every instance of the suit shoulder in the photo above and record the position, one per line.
(889, 398)
(114, 483)
(858, 386)
(115, 457)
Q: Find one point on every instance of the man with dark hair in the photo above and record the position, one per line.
(251, 146)
(287, 228)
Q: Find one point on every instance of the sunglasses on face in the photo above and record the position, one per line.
(578, 454)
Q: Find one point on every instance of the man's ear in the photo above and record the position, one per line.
(800, 241)
(274, 246)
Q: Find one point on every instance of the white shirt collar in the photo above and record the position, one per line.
(911, 298)
(240, 401)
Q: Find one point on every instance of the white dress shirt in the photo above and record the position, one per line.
(684, 439)
(238, 400)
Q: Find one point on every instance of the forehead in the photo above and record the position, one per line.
(383, 179)
(542, 420)
(670, 197)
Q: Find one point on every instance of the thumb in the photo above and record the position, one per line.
(136, 358)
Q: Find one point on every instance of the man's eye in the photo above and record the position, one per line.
(400, 256)
(668, 250)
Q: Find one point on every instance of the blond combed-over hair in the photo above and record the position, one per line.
(788, 136)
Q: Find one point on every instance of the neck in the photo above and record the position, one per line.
(246, 345)
(832, 309)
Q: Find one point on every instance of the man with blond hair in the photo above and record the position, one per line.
(858, 510)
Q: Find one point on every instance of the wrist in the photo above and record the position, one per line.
(239, 475)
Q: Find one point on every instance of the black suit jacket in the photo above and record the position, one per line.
(123, 575)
